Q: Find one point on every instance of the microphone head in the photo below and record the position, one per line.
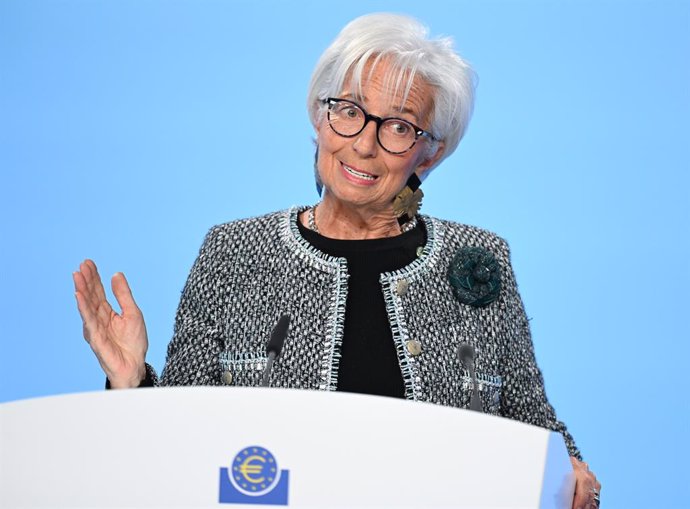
(275, 344)
(466, 354)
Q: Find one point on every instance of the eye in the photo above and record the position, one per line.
(351, 112)
(399, 128)
(347, 110)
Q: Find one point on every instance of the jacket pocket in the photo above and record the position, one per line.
(242, 369)
(489, 387)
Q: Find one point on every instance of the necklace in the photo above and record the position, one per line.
(311, 221)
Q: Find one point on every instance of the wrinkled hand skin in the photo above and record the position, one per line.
(119, 340)
(585, 482)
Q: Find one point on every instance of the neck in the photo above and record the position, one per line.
(338, 221)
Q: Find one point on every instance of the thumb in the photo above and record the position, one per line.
(123, 294)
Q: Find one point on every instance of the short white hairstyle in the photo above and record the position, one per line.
(404, 44)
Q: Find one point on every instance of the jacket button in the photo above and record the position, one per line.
(227, 377)
(414, 347)
(401, 287)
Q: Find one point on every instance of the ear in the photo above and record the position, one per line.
(427, 164)
(317, 175)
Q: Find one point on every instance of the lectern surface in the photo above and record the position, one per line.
(243, 447)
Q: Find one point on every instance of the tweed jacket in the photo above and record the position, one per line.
(252, 271)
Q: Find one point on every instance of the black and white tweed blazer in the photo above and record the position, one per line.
(252, 271)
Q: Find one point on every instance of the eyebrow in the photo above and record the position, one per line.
(405, 110)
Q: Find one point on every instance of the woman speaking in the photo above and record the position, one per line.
(381, 299)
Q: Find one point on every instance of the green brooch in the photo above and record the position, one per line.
(475, 276)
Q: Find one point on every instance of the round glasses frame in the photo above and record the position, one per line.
(418, 131)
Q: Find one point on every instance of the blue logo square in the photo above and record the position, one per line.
(253, 478)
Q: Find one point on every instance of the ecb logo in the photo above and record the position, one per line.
(253, 478)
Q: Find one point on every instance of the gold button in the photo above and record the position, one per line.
(401, 287)
(420, 251)
(227, 377)
(414, 347)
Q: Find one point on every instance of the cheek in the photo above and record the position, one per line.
(325, 157)
(329, 143)
(418, 159)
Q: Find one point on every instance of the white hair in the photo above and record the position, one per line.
(402, 41)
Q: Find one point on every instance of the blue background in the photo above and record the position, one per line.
(128, 128)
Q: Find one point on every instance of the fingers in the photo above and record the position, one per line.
(87, 316)
(92, 279)
(586, 499)
(88, 283)
(123, 294)
(587, 486)
(94, 309)
(85, 304)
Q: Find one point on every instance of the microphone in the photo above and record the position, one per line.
(275, 345)
(466, 354)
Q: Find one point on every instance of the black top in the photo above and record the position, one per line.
(369, 361)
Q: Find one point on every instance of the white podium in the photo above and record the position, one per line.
(242, 447)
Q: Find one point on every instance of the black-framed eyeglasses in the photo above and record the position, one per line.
(395, 135)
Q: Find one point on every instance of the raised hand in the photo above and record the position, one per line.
(118, 340)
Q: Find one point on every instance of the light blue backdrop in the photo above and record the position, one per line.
(128, 128)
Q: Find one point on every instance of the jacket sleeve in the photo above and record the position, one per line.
(524, 396)
(193, 353)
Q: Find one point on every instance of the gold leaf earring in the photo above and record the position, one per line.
(407, 203)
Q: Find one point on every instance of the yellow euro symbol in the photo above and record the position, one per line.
(248, 468)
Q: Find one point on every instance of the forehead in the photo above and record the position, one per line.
(385, 86)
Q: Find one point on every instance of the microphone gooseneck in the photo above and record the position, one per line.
(275, 345)
(467, 354)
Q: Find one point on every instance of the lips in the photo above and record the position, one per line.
(357, 175)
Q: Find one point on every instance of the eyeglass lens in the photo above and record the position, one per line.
(394, 134)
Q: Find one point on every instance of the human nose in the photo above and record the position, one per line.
(366, 142)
